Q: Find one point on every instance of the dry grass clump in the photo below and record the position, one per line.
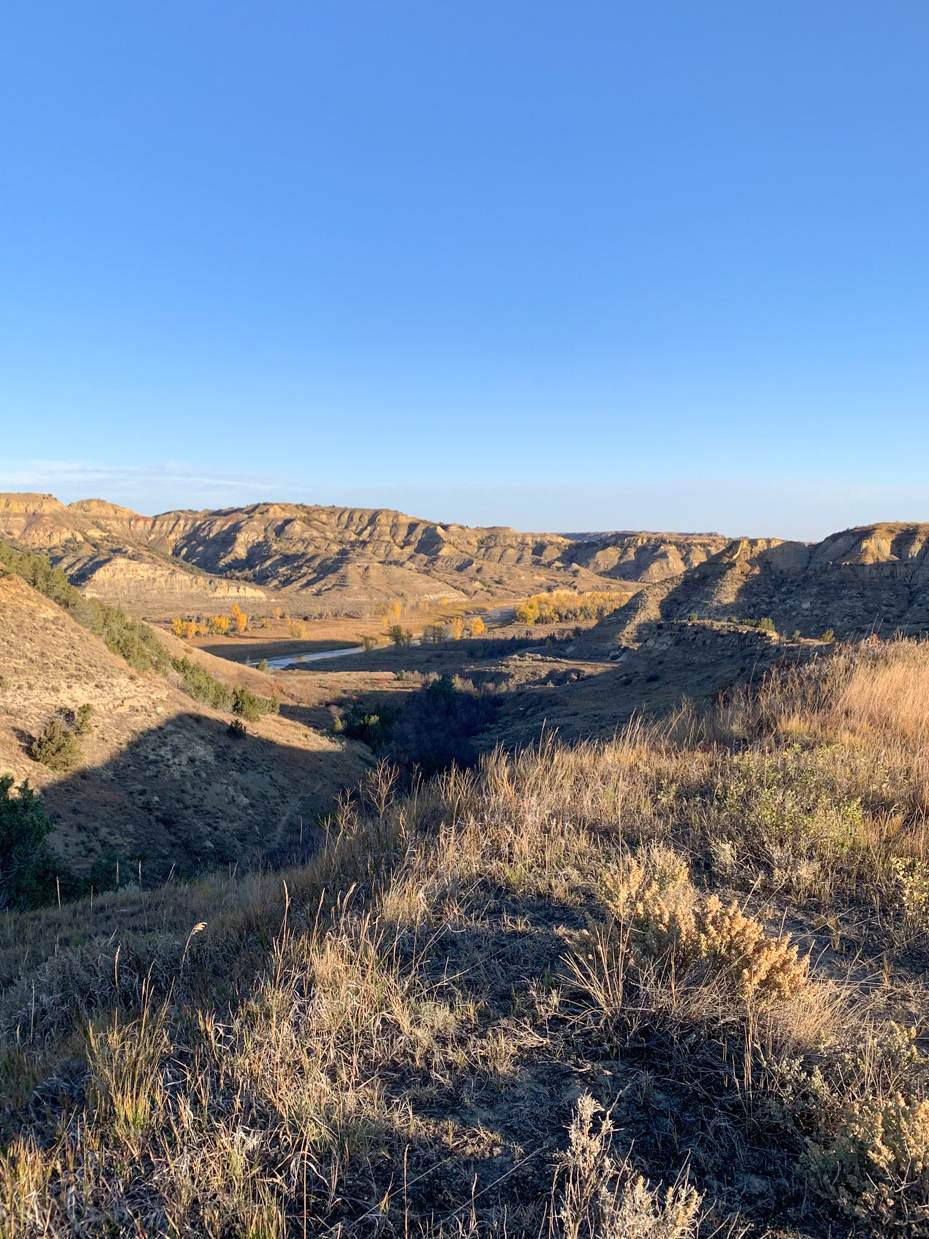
(484, 999)
(601, 1198)
(719, 941)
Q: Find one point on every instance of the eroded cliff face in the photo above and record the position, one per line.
(872, 578)
(347, 555)
(647, 556)
(852, 580)
(369, 553)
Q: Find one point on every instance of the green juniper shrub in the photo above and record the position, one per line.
(433, 730)
(373, 729)
(262, 666)
(29, 874)
(236, 729)
(251, 707)
(201, 685)
(82, 719)
(104, 872)
(766, 624)
(828, 636)
(57, 747)
(439, 723)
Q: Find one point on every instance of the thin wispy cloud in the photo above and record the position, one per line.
(749, 506)
(149, 488)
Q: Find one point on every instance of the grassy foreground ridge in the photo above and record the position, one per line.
(664, 985)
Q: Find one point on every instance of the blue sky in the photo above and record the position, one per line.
(564, 266)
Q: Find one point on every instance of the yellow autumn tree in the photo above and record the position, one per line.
(180, 626)
(456, 628)
(478, 627)
(219, 624)
(240, 619)
(191, 628)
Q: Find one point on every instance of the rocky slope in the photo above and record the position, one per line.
(159, 775)
(344, 555)
(871, 578)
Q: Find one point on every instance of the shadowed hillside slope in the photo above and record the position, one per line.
(157, 774)
(872, 578)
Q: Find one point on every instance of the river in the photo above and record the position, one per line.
(285, 660)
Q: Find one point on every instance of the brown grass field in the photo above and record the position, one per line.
(663, 985)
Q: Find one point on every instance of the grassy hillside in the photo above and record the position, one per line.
(667, 983)
(153, 774)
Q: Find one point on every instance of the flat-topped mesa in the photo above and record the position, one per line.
(103, 508)
(28, 503)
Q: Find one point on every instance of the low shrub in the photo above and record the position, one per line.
(877, 1167)
(247, 705)
(601, 1198)
(57, 747)
(202, 686)
(373, 728)
(673, 925)
(29, 875)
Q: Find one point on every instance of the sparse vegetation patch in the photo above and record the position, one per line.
(130, 639)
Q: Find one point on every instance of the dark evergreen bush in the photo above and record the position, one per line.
(57, 747)
(29, 874)
(201, 685)
(251, 707)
